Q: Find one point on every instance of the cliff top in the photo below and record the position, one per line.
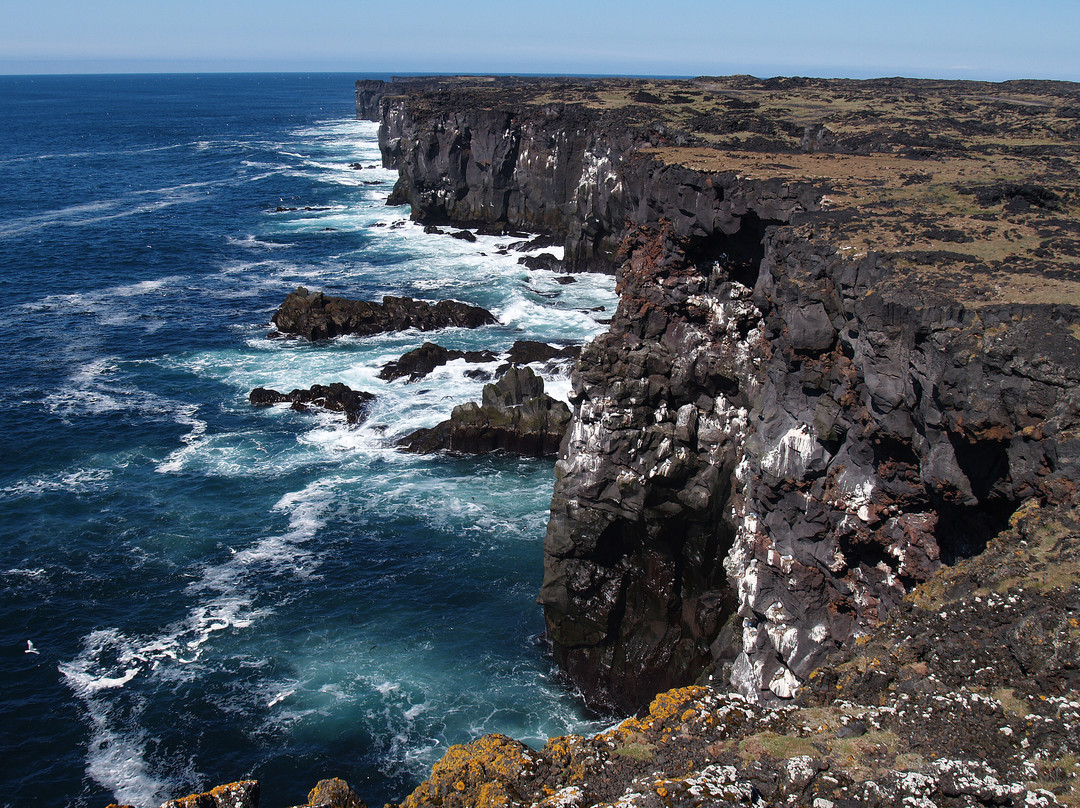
(971, 188)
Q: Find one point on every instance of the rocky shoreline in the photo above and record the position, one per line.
(782, 434)
(819, 481)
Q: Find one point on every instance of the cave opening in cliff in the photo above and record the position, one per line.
(964, 530)
(739, 253)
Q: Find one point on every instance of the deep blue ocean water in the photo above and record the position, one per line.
(196, 591)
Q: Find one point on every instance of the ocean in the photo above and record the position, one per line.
(196, 591)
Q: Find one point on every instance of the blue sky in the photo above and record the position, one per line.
(924, 38)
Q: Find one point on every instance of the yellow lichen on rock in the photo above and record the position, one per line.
(243, 794)
(481, 774)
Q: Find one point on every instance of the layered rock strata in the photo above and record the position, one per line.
(563, 171)
(781, 434)
(314, 315)
(515, 415)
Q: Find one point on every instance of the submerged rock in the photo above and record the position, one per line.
(515, 416)
(314, 315)
(335, 397)
(420, 362)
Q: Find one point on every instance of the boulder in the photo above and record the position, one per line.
(515, 416)
(243, 794)
(334, 793)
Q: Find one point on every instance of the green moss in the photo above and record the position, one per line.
(635, 751)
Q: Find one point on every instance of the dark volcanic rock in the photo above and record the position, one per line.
(564, 172)
(369, 93)
(244, 794)
(541, 261)
(515, 416)
(525, 352)
(420, 362)
(755, 475)
(781, 434)
(317, 316)
(335, 397)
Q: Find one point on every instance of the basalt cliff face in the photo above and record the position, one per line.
(785, 430)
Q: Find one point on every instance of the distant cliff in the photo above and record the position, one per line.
(781, 434)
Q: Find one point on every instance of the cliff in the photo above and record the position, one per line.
(846, 348)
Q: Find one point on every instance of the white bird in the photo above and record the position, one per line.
(30, 649)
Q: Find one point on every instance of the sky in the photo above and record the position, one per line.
(977, 39)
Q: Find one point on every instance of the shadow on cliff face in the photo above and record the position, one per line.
(964, 530)
(739, 253)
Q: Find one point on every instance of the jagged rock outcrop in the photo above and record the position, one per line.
(314, 315)
(781, 434)
(754, 476)
(335, 397)
(515, 415)
(419, 362)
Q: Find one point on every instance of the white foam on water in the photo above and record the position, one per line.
(74, 481)
(252, 243)
(112, 662)
(116, 752)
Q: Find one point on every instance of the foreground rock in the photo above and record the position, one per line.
(314, 315)
(335, 397)
(331, 793)
(515, 416)
(244, 794)
(968, 695)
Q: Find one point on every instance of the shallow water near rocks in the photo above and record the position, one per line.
(197, 591)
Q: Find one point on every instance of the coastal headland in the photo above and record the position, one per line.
(817, 499)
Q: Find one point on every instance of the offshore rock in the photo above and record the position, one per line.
(314, 315)
(418, 363)
(515, 416)
(335, 397)
(527, 351)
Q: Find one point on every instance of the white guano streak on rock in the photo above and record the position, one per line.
(792, 453)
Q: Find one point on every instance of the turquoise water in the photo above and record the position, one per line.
(196, 591)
